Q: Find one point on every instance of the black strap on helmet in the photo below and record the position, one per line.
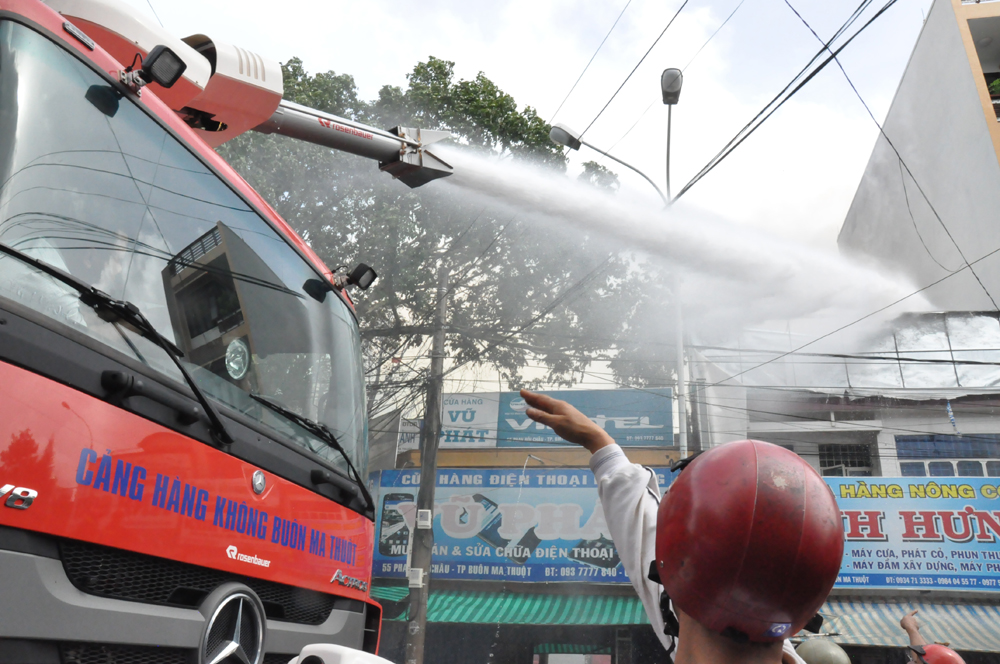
(671, 627)
(681, 464)
(920, 652)
(815, 624)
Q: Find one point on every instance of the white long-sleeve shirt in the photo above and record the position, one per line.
(630, 496)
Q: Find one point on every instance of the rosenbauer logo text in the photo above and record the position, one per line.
(233, 553)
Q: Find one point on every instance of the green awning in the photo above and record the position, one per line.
(390, 593)
(963, 626)
(458, 606)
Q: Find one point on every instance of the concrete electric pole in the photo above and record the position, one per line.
(430, 434)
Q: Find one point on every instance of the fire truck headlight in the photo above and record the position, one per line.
(237, 359)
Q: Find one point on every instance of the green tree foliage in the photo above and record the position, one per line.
(520, 295)
(599, 176)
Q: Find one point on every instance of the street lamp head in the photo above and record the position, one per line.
(563, 135)
(670, 83)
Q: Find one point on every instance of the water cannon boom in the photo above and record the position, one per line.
(402, 151)
(224, 90)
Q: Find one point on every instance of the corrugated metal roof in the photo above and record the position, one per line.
(456, 606)
(917, 356)
(963, 626)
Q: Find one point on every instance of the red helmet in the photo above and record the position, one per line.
(749, 541)
(936, 654)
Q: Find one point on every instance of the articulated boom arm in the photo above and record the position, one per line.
(401, 151)
(226, 90)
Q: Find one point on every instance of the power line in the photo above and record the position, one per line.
(592, 59)
(906, 197)
(655, 42)
(150, 3)
(721, 26)
(788, 91)
(845, 423)
(847, 325)
(683, 69)
(900, 158)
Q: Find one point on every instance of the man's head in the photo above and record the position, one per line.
(934, 654)
(749, 541)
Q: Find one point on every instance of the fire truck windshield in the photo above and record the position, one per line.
(95, 187)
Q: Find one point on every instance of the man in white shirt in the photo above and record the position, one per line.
(630, 497)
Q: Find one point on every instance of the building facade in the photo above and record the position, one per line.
(927, 203)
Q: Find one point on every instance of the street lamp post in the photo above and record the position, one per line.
(563, 135)
(671, 82)
(670, 85)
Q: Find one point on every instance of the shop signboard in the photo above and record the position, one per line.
(634, 418)
(469, 420)
(409, 435)
(547, 525)
(920, 533)
(503, 525)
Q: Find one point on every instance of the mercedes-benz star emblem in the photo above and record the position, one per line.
(235, 632)
(259, 482)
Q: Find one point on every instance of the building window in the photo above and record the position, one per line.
(941, 469)
(966, 468)
(978, 446)
(845, 460)
(970, 469)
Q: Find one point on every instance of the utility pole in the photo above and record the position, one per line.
(423, 538)
(681, 372)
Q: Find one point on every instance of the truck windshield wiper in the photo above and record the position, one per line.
(112, 310)
(322, 432)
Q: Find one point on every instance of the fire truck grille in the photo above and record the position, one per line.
(118, 574)
(98, 653)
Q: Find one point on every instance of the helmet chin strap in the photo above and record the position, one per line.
(919, 652)
(671, 626)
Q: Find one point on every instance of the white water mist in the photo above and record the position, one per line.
(732, 276)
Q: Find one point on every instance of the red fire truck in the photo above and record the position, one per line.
(183, 433)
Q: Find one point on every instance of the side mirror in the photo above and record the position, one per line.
(104, 98)
(362, 276)
(316, 289)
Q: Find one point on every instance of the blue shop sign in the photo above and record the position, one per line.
(634, 418)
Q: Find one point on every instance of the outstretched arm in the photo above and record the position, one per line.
(628, 492)
(569, 423)
(909, 625)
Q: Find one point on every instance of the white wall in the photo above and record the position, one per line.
(937, 123)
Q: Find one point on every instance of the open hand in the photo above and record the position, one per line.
(569, 423)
